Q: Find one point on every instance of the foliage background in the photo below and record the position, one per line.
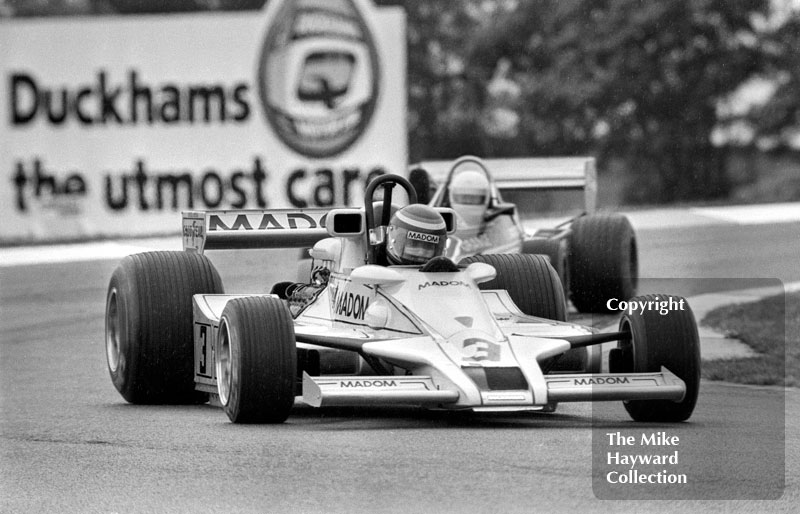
(679, 100)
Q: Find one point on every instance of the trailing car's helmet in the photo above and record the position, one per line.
(469, 188)
(416, 234)
(469, 195)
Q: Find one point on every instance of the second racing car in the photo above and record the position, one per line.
(594, 253)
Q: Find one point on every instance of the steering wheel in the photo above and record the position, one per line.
(376, 229)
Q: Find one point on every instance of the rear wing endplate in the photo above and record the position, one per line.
(554, 173)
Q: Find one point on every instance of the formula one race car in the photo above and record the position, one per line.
(479, 335)
(594, 254)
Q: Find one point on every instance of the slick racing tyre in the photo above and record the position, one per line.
(530, 280)
(256, 360)
(603, 261)
(557, 251)
(149, 325)
(668, 340)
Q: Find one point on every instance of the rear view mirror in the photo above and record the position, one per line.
(449, 216)
(481, 272)
(372, 275)
(345, 223)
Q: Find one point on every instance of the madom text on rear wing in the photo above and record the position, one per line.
(274, 228)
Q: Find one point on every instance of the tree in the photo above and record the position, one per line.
(442, 101)
(777, 123)
(628, 79)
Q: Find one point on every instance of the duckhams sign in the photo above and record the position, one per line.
(113, 125)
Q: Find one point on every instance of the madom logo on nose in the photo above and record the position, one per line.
(318, 75)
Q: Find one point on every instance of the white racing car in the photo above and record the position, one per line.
(477, 336)
(594, 253)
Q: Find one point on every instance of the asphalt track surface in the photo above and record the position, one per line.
(69, 442)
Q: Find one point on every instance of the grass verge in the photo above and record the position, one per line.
(771, 327)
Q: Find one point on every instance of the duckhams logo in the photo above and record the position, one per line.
(318, 75)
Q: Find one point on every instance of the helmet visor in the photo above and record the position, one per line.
(419, 251)
(469, 198)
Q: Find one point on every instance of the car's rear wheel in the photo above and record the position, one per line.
(256, 360)
(657, 341)
(530, 280)
(603, 261)
(557, 251)
(149, 325)
(533, 284)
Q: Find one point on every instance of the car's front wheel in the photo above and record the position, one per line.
(660, 340)
(256, 360)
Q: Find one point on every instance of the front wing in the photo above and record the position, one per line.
(421, 390)
(440, 383)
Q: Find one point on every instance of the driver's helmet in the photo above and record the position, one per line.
(469, 188)
(416, 234)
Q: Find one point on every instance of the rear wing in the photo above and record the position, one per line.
(276, 228)
(535, 173)
(273, 228)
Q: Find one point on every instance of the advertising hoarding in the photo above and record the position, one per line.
(113, 125)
